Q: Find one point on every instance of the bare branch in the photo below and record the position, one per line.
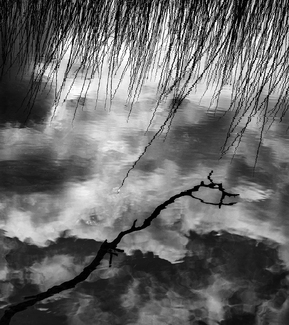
(111, 248)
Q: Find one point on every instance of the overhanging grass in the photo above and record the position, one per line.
(240, 43)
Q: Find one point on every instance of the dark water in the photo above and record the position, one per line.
(61, 167)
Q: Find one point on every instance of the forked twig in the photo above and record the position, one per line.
(111, 248)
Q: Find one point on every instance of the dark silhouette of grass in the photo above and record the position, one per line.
(173, 36)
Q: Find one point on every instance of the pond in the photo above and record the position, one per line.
(71, 177)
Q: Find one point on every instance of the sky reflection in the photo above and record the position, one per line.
(60, 200)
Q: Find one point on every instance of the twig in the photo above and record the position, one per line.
(111, 248)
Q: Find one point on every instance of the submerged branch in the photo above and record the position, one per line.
(111, 248)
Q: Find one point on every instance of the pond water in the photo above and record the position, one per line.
(62, 193)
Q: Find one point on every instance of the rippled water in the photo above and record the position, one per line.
(61, 196)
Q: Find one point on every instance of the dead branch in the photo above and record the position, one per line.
(111, 247)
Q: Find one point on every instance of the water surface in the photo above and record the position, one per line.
(61, 171)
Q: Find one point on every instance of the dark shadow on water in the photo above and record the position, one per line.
(20, 107)
(41, 174)
(242, 272)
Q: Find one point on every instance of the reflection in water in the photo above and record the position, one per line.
(16, 106)
(38, 174)
(59, 200)
(223, 276)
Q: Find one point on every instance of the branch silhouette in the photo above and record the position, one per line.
(111, 247)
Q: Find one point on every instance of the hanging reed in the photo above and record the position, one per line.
(239, 43)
